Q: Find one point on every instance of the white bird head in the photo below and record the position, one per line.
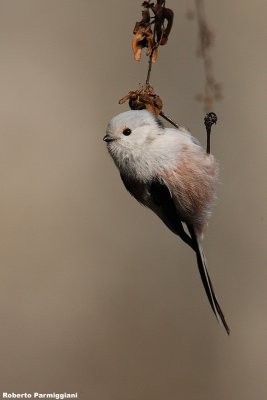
(132, 130)
(140, 145)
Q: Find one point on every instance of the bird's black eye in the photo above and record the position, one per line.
(127, 131)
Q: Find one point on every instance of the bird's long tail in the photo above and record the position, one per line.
(202, 266)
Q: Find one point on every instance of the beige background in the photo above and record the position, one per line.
(96, 295)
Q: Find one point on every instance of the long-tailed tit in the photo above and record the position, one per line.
(168, 171)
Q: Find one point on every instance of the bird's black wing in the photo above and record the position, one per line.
(156, 195)
(164, 206)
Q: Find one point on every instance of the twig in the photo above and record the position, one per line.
(163, 115)
(150, 62)
(209, 120)
(213, 90)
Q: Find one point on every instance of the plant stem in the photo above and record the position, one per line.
(149, 67)
(168, 119)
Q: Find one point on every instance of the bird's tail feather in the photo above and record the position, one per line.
(202, 266)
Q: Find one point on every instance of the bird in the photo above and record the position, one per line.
(168, 171)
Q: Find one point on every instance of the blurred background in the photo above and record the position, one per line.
(96, 295)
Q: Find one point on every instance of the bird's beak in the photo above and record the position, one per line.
(107, 138)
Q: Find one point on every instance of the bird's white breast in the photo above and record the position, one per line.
(154, 155)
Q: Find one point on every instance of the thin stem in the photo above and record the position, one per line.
(149, 67)
(150, 59)
(208, 140)
(206, 38)
(168, 119)
(209, 120)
